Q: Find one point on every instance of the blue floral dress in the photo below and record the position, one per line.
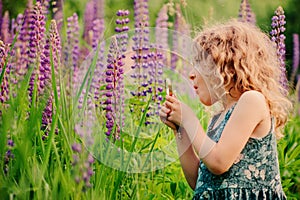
(254, 174)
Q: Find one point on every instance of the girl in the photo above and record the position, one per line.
(234, 64)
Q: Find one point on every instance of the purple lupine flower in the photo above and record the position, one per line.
(156, 64)
(52, 46)
(36, 32)
(1, 7)
(76, 147)
(82, 159)
(57, 9)
(45, 6)
(148, 59)
(22, 43)
(8, 155)
(36, 47)
(175, 47)
(98, 9)
(71, 52)
(161, 30)
(277, 36)
(98, 32)
(295, 56)
(45, 81)
(114, 102)
(73, 39)
(44, 68)
(298, 91)
(94, 10)
(15, 52)
(47, 117)
(4, 87)
(17, 25)
(140, 47)
(245, 13)
(88, 21)
(5, 33)
(82, 165)
(298, 84)
(181, 36)
(141, 13)
(21, 49)
(55, 44)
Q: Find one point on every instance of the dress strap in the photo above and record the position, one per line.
(213, 121)
(217, 116)
(228, 113)
(272, 124)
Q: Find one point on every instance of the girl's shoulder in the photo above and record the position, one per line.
(253, 95)
(253, 100)
(255, 103)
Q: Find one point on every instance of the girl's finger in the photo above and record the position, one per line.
(169, 105)
(165, 110)
(163, 114)
(168, 123)
(171, 99)
(170, 116)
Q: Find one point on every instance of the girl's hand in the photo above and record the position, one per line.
(164, 113)
(179, 113)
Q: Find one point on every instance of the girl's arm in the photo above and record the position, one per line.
(250, 110)
(188, 158)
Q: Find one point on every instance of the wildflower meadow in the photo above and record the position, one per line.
(82, 83)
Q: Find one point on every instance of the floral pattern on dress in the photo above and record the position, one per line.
(254, 174)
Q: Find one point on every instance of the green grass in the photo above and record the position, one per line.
(43, 168)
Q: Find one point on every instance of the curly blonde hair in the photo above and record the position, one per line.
(239, 55)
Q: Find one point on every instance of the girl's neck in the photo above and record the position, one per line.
(230, 101)
(231, 98)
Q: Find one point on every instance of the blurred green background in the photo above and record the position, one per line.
(196, 13)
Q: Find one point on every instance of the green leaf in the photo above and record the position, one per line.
(173, 186)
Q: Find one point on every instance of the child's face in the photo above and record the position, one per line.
(201, 87)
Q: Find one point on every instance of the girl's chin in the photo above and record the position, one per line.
(206, 102)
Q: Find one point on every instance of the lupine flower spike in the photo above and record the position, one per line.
(53, 45)
(295, 56)
(156, 64)
(141, 48)
(82, 166)
(114, 103)
(71, 53)
(245, 13)
(4, 87)
(180, 37)
(97, 39)
(37, 55)
(162, 28)
(58, 13)
(22, 44)
(8, 155)
(5, 33)
(277, 34)
(1, 7)
(174, 57)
